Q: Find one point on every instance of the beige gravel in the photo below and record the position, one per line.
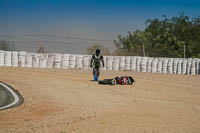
(67, 101)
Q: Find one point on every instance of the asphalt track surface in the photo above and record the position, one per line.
(9, 97)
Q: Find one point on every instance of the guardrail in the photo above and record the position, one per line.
(75, 61)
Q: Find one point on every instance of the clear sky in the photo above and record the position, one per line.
(71, 25)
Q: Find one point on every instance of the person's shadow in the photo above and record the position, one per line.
(94, 80)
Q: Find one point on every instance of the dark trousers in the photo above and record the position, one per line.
(96, 71)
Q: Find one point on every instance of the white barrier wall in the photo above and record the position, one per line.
(128, 63)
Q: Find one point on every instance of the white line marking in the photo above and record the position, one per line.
(14, 95)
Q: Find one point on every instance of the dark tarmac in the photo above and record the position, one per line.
(6, 97)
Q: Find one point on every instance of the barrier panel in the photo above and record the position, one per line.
(154, 65)
(170, 66)
(133, 63)
(7, 58)
(43, 60)
(189, 63)
(164, 65)
(122, 63)
(79, 62)
(184, 66)
(65, 61)
(1, 58)
(159, 66)
(175, 64)
(127, 63)
(22, 58)
(109, 62)
(144, 64)
(29, 60)
(36, 60)
(193, 66)
(50, 60)
(115, 65)
(57, 61)
(149, 62)
(138, 62)
(72, 61)
(197, 66)
(86, 62)
(179, 66)
(104, 58)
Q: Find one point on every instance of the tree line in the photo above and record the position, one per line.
(7, 46)
(167, 37)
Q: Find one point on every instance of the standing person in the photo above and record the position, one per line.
(96, 64)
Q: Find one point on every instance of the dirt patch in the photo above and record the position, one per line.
(67, 101)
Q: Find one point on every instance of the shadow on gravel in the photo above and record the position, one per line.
(93, 80)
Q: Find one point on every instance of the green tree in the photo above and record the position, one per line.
(133, 44)
(41, 50)
(164, 37)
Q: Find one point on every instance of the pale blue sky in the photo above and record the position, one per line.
(31, 23)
